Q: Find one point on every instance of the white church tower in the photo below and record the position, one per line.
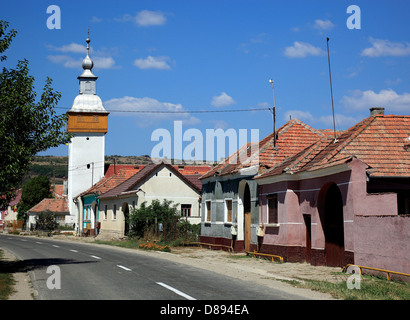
(88, 122)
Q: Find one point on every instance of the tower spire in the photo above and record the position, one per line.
(88, 64)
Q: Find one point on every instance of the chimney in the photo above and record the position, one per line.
(376, 111)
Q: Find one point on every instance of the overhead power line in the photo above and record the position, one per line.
(184, 111)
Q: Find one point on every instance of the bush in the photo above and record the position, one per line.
(46, 221)
(151, 219)
(161, 221)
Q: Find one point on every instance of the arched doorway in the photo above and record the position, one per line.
(331, 215)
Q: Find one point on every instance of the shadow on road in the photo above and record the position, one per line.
(33, 264)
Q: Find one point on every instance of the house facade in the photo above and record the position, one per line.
(344, 201)
(88, 204)
(230, 198)
(331, 202)
(104, 209)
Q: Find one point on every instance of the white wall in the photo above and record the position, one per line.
(85, 166)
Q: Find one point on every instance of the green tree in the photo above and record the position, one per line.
(27, 126)
(32, 193)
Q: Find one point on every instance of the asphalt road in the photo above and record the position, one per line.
(62, 270)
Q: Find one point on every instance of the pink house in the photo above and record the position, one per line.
(342, 201)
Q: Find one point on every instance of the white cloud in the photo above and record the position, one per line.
(76, 63)
(323, 122)
(101, 59)
(66, 61)
(302, 50)
(223, 100)
(388, 98)
(147, 18)
(103, 62)
(133, 106)
(382, 48)
(323, 24)
(72, 47)
(153, 63)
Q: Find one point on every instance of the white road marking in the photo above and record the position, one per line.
(122, 267)
(39, 242)
(95, 257)
(72, 250)
(182, 294)
(56, 246)
(23, 239)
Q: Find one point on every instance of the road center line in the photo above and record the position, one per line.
(72, 250)
(122, 267)
(39, 242)
(95, 257)
(56, 246)
(176, 291)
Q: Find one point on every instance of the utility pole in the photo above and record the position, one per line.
(331, 91)
(273, 115)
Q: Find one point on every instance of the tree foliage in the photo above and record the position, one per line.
(146, 217)
(32, 193)
(27, 125)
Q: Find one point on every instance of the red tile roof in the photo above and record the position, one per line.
(128, 185)
(110, 182)
(380, 141)
(59, 205)
(292, 137)
(114, 169)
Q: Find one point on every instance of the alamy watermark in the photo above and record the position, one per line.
(54, 21)
(354, 21)
(54, 281)
(353, 281)
(189, 146)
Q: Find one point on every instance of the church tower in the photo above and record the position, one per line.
(88, 123)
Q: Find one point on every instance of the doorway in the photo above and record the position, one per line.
(247, 217)
(308, 224)
(332, 222)
(126, 212)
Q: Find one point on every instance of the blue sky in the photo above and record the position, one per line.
(216, 56)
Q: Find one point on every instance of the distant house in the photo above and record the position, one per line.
(230, 197)
(179, 184)
(343, 201)
(9, 214)
(57, 205)
(87, 203)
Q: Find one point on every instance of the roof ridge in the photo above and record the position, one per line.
(352, 134)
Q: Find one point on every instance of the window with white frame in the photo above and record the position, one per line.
(272, 209)
(228, 210)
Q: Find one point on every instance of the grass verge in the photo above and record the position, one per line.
(6, 281)
(371, 288)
